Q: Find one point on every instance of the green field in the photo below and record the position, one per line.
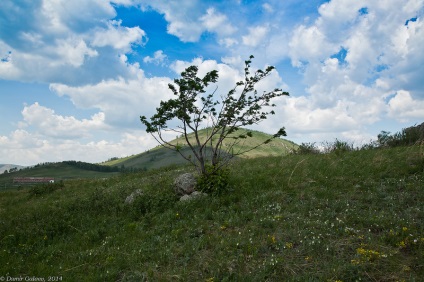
(160, 157)
(341, 216)
(59, 171)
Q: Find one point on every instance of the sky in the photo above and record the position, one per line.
(75, 76)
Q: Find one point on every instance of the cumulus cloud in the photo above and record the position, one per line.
(188, 20)
(158, 58)
(47, 123)
(121, 100)
(255, 36)
(26, 148)
(119, 37)
(64, 41)
(350, 57)
(217, 22)
(403, 107)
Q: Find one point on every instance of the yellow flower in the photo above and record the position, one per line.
(401, 244)
(404, 229)
(289, 245)
(272, 239)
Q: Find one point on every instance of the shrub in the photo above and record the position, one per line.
(307, 148)
(338, 147)
(215, 181)
(46, 188)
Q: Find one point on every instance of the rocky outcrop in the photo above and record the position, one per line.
(185, 187)
(185, 184)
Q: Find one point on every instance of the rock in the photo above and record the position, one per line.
(185, 184)
(192, 196)
(130, 199)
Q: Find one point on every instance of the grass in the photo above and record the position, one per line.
(351, 216)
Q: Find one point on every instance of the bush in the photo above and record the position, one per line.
(408, 136)
(215, 181)
(307, 148)
(46, 188)
(338, 147)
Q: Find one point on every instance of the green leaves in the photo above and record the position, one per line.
(241, 106)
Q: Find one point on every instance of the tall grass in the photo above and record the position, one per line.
(341, 216)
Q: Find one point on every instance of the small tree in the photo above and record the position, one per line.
(193, 108)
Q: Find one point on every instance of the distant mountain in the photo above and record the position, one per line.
(160, 157)
(4, 167)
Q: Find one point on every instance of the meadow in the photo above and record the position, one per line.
(346, 215)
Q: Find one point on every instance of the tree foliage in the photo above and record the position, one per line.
(194, 108)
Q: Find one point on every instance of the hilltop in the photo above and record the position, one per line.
(4, 167)
(160, 156)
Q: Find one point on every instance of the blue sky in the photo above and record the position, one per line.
(76, 75)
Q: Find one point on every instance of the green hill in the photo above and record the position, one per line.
(342, 216)
(160, 157)
(60, 171)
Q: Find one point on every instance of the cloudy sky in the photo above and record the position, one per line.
(76, 75)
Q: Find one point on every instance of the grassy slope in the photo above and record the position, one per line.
(160, 157)
(60, 171)
(351, 216)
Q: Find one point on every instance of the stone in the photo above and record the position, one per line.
(130, 199)
(192, 196)
(185, 184)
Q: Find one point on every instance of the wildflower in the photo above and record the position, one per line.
(404, 229)
(406, 268)
(355, 262)
(289, 245)
(401, 244)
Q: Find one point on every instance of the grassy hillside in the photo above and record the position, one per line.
(335, 217)
(160, 157)
(60, 171)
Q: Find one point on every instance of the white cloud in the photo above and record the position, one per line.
(255, 36)
(119, 37)
(71, 42)
(121, 100)
(228, 42)
(72, 51)
(267, 7)
(216, 22)
(158, 58)
(403, 107)
(27, 148)
(308, 44)
(182, 17)
(47, 123)
(352, 87)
